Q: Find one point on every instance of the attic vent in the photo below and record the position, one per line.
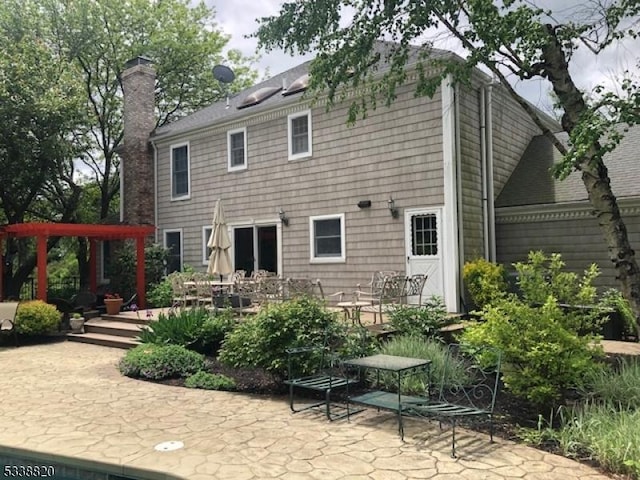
(259, 96)
(298, 86)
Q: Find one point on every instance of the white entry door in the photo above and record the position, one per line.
(423, 238)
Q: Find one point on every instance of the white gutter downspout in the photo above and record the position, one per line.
(459, 208)
(490, 192)
(450, 262)
(155, 189)
(483, 166)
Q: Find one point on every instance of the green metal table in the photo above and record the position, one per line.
(381, 399)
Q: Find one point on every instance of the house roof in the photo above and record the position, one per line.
(531, 183)
(220, 112)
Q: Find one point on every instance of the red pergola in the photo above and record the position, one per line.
(94, 233)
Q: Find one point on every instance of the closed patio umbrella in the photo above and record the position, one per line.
(219, 243)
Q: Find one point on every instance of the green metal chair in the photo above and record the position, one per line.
(316, 369)
(467, 389)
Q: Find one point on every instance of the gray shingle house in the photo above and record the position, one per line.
(536, 212)
(410, 188)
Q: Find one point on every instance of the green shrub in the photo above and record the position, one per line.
(262, 341)
(182, 327)
(542, 356)
(425, 320)
(485, 281)
(414, 346)
(160, 295)
(213, 331)
(37, 318)
(543, 276)
(612, 298)
(210, 381)
(157, 362)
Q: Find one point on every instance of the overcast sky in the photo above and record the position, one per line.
(238, 18)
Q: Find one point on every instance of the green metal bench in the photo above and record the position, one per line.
(327, 377)
(467, 391)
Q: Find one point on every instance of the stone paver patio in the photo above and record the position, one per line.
(69, 399)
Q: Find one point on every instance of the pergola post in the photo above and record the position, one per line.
(142, 301)
(42, 267)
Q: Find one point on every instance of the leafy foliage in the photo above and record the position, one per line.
(37, 318)
(124, 264)
(418, 347)
(213, 331)
(485, 281)
(194, 328)
(156, 362)
(209, 381)
(160, 294)
(612, 298)
(543, 356)
(544, 275)
(425, 320)
(262, 341)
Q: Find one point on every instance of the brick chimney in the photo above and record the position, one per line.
(136, 168)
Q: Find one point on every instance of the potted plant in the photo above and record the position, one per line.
(77, 323)
(112, 303)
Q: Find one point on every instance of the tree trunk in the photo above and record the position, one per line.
(595, 176)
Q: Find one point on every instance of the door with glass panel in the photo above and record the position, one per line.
(255, 248)
(423, 238)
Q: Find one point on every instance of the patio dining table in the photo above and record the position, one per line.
(352, 310)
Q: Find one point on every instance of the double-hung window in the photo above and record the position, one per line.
(327, 241)
(300, 135)
(237, 149)
(180, 172)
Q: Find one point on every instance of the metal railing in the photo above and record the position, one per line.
(62, 288)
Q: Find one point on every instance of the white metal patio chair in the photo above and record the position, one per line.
(8, 311)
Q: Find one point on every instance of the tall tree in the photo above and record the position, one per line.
(40, 105)
(99, 36)
(70, 63)
(510, 38)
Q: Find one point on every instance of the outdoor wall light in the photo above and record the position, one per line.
(391, 203)
(283, 217)
(364, 203)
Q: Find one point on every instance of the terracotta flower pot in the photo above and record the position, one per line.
(113, 305)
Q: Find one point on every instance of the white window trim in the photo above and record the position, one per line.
(205, 240)
(290, 118)
(103, 279)
(164, 242)
(342, 258)
(242, 130)
(186, 196)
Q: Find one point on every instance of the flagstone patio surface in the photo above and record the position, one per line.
(68, 399)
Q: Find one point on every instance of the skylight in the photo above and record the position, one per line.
(259, 96)
(298, 86)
